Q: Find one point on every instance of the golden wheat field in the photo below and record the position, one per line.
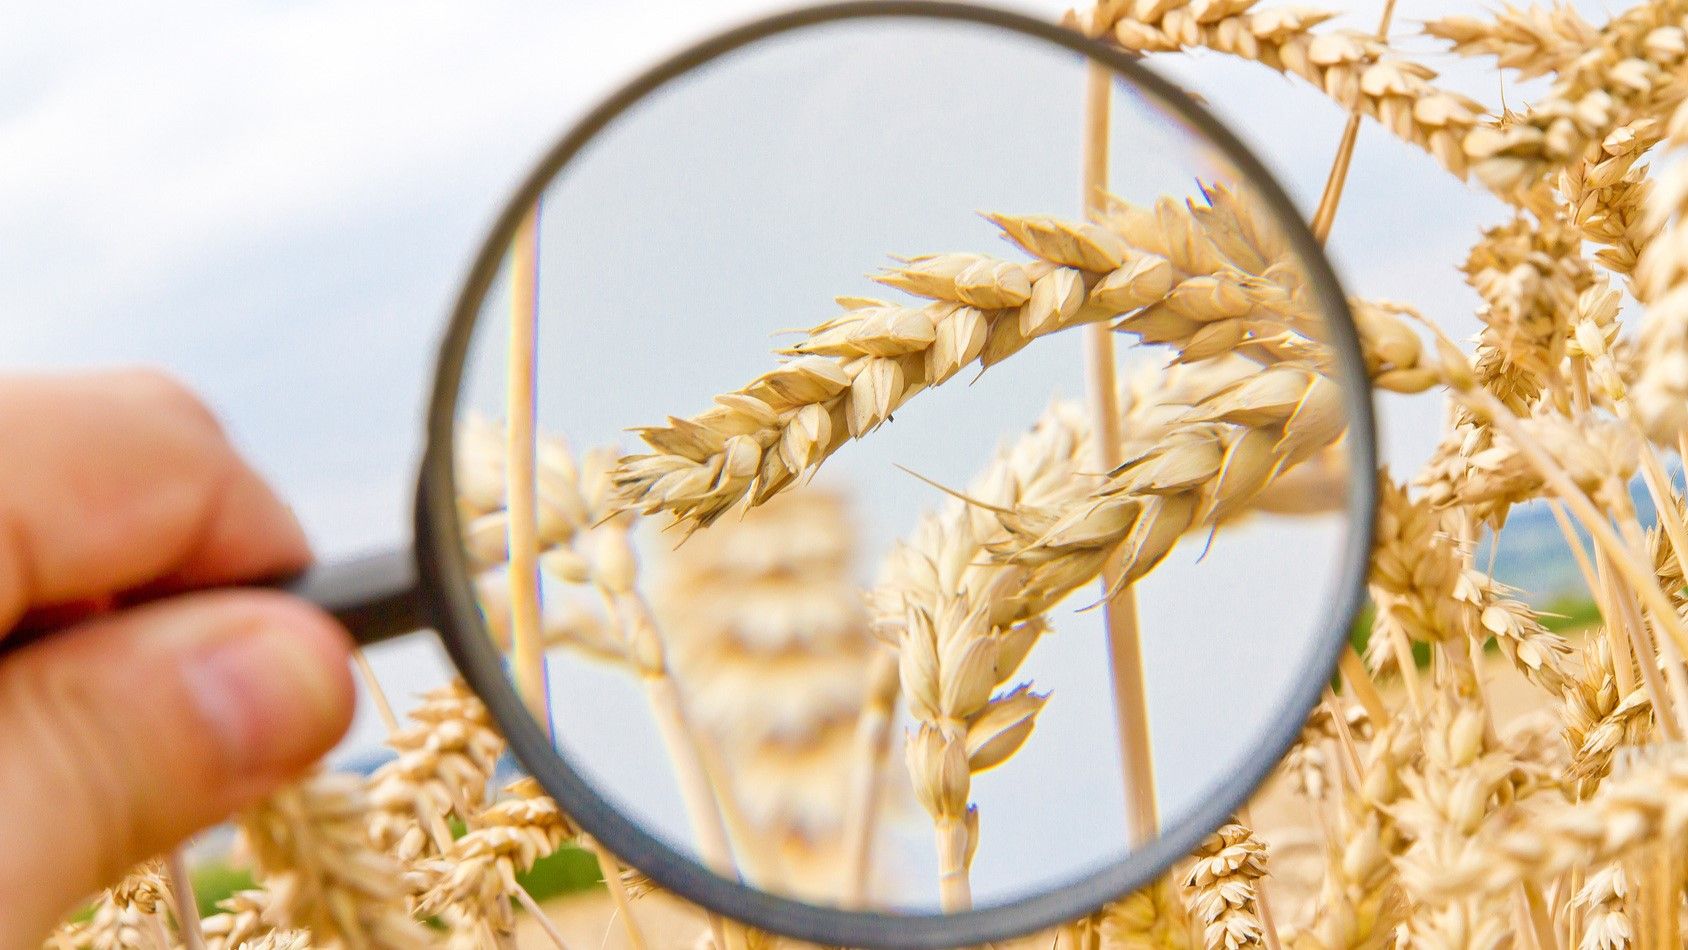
(1472, 778)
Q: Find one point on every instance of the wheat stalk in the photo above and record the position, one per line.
(1125, 650)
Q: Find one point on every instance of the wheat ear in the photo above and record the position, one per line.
(1221, 888)
(312, 851)
(1206, 277)
(1630, 72)
(1352, 67)
(962, 625)
(241, 919)
(1536, 40)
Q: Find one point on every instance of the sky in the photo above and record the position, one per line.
(278, 201)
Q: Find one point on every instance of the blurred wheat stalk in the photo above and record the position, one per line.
(1424, 818)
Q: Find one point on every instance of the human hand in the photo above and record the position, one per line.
(157, 708)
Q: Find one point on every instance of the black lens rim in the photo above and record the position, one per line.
(441, 564)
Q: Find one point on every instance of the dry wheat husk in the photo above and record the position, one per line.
(1227, 448)
(1536, 40)
(445, 759)
(240, 921)
(1544, 658)
(1629, 73)
(1603, 901)
(1354, 68)
(1221, 888)
(1308, 764)
(962, 624)
(1154, 918)
(1599, 718)
(312, 851)
(1205, 277)
(471, 884)
(1360, 902)
(1455, 785)
(132, 913)
(768, 639)
(1660, 388)
(1644, 807)
(1607, 194)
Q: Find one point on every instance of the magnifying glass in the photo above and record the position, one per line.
(765, 506)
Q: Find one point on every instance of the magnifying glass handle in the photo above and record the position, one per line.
(376, 597)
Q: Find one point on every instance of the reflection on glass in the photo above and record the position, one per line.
(823, 617)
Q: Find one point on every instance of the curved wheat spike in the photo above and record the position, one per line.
(1207, 278)
(1536, 40)
(1352, 67)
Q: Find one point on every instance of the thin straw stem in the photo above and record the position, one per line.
(376, 693)
(1350, 765)
(1125, 650)
(955, 892)
(182, 899)
(539, 917)
(1403, 650)
(520, 463)
(703, 808)
(861, 815)
(160, 936)
(610, 867)
(1536, 915)
(1671, 717)
(1584, 567)
(1325, 215)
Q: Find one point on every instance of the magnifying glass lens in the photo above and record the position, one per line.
(871, 515)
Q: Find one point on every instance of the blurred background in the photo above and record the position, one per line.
(277, 202)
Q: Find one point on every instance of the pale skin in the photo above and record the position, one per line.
(167, 698)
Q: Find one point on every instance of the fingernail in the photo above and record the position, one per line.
(275, 697)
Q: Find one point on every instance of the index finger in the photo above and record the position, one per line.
(117, 482)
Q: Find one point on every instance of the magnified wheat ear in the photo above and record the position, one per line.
(1203, 276)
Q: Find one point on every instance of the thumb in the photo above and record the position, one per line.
(123, 736)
